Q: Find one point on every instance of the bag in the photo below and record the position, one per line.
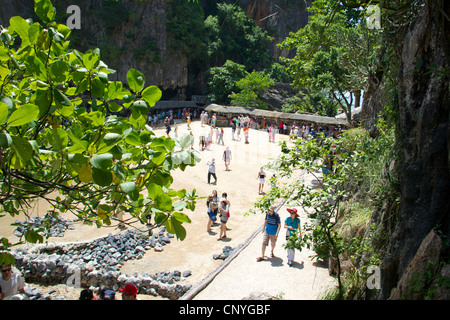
(212, 216)
(228, 214)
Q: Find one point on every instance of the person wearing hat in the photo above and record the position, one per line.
(292, 223)
(272, 225)
(129, 292)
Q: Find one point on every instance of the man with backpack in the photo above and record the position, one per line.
(272, 226)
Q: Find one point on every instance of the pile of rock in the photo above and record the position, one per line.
(55, 227)
(97, 263)
(226, 252)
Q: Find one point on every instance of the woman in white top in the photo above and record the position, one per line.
(261, 179)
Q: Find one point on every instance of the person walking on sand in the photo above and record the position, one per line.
(188, 121)
(292, 224)
(224, 215)
(212, 205)
(261, 179)
(220, 136)
(227, 158)
(212, 171)
(246, 133)
(272, 224)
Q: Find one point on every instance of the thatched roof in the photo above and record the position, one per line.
(227, 109)
(169, 104)
(259, 113)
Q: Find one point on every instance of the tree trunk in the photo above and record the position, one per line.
(423, 84)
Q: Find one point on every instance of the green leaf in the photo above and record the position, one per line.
(33, 237)
(114, 107)
(102, 161)
(85, 173)
(59, 70)
(23, 152)
(23, 115)
(79, 145)
(63, 103)
(3, 112)
(136, 80)
(163, 202)
(181, 217)
(178, 229)
(154, 190)
(44, 10)
(21, 26)
(141, 107)
(158, 158)
(102, 177)
(6, 259)
(111, 138)
(151, 95)
(91, 59)
(96, 118)
(58, 139)
(186, 141)
(5, 140)
(128, 187)
(137, 120)
(4, 55)
(4, 72)
(97, 88)
(133, 138)
(114, 90)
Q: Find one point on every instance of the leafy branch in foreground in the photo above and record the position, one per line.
(351, 162)
(63, 142)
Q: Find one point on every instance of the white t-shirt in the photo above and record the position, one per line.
(13, 285)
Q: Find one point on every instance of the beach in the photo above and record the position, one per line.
(196, 251)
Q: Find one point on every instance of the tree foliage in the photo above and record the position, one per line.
(334, 52)
(251, 88)
(61, 142)
(222, 80)
(233, 36)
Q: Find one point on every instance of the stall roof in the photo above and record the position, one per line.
(169, 104)
(276, 115)
(227, 109)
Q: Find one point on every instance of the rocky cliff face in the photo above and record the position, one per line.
(424, 101)
(132, 34)
(279, 17)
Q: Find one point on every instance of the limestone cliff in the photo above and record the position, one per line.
(133, 34)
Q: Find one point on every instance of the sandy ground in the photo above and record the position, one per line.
(304, 280)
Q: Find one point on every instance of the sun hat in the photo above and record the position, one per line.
(293, 211)
(130, 289)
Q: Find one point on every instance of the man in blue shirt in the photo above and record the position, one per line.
(272, 225)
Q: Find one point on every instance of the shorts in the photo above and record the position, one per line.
(267, 237)
(262, 180)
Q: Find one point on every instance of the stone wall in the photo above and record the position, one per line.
(94, 264)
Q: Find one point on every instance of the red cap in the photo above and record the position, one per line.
(294, 211)
(129, 288)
